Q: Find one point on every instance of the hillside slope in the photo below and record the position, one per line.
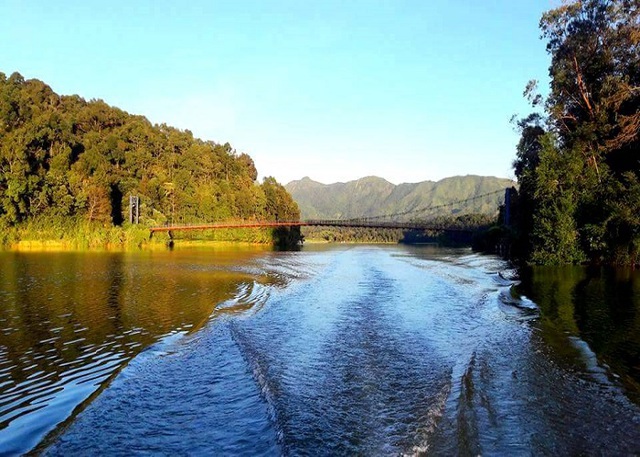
(372, 196)
(66, 162)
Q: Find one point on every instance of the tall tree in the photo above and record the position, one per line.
(579, 166)
(595, 79)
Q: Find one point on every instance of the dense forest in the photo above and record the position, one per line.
(578, 159)
(68, 167)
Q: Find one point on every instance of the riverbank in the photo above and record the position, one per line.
(75, 235)
(68, 246)
(65, 234)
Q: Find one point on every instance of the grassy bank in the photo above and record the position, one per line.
(77, 234)
(74, 234)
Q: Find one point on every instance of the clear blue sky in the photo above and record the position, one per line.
(334, 90)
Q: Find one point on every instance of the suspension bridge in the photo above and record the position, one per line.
(383, 221)
(307, 223)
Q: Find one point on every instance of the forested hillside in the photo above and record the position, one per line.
(578, 160)
(372, 196)
(66, 162)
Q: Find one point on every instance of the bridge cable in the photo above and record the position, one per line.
(444, 205)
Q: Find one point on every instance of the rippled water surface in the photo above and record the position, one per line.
(69, 321)
(344, 350)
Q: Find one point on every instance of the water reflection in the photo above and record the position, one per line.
(596, 306)
(69, 321)
(368, 351)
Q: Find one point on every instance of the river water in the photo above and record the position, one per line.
(335, 350)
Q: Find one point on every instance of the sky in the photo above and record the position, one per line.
(409, 90)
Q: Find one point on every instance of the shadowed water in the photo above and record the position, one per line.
(354, 350)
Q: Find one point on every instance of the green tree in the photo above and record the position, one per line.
(578, 182)
(63, 158)
(555, 234)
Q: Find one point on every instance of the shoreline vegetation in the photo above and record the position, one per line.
(578, 158)
(65, 246)
(68, 168)
(95, 237)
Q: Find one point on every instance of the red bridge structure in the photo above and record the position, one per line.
(359, 223)
(387, 221)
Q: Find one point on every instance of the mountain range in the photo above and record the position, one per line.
(373, 196)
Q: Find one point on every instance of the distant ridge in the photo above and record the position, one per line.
(372, 196)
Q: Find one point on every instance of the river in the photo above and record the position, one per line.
(334, 350)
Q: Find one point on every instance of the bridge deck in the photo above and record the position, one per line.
(306, 223)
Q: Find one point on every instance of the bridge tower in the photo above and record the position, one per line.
(508, 194)
(134, 209)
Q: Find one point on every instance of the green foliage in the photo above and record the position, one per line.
(622, 226)
(555, 235)
(579, 166)
(466, 222)
(72, 164)
(352, 235)
(490, 239)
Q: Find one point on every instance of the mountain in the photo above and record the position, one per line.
(373, 196)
